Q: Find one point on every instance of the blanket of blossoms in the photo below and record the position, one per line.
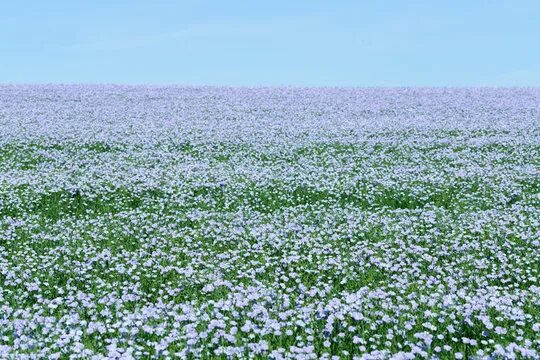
(255, 223)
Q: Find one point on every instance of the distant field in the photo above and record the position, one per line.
(217, 223)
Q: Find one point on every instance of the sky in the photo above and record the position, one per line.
(271, 43)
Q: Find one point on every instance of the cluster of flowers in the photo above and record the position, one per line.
(170, 222)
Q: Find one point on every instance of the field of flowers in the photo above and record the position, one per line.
(218, 223)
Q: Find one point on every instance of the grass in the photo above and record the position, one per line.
(397, 243)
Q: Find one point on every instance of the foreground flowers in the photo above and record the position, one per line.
(145, 222)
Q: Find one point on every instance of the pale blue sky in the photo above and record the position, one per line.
(302, 43)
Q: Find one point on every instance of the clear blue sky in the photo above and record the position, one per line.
(313, 43)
